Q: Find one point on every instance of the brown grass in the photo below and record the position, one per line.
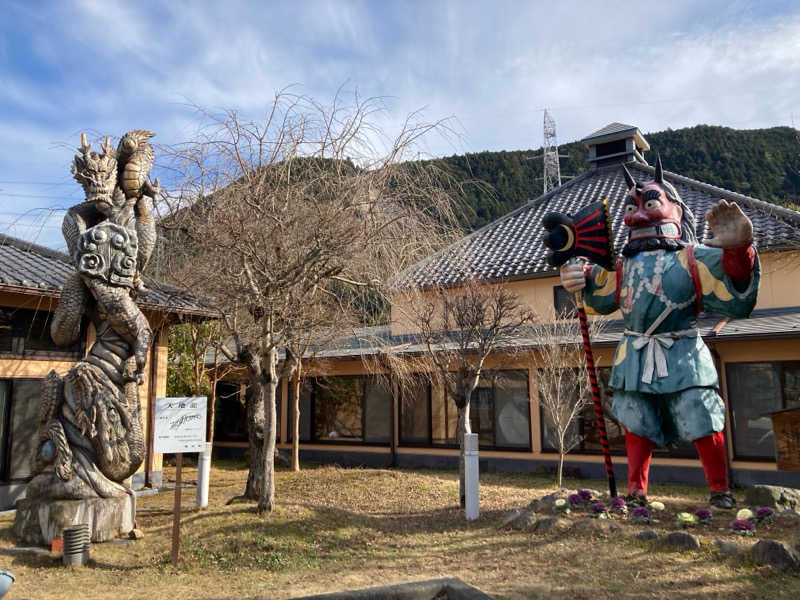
(338, 529)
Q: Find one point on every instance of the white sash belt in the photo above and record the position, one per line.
(656, 359)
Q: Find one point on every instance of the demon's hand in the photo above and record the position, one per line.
(573, 277)
(730, 226)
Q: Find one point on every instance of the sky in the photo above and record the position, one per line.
(489, 67)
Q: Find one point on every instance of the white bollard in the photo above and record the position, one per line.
(203, 475)
(471, 475)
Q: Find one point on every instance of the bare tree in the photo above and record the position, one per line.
(562, 379)
(458, 330)
(277, 215)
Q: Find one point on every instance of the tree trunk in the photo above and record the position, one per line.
(266, 502)
(296, 418)
(464, 427)
(254, 404)
(560, 465)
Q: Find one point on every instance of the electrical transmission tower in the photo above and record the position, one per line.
(552, 170)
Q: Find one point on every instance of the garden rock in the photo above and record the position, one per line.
(776, 554)
(510, 517)
(774, 496)
(682, 540)
(545, 503)
(647, 535)
(526, 521)
(553, 524)
(730, 549)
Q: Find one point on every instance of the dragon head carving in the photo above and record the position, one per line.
(96, 172)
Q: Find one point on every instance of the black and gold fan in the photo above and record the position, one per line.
(587, 235)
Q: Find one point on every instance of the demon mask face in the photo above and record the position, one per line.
(655, 215)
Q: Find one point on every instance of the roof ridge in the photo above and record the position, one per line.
(755, 203)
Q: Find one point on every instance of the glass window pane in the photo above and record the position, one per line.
(378, 411)
(754, 390)
(481, 413)
(444, 417)
(5, 387)
(24, 423)
(414, 418)
(230, 420)
(512, 409)
(338, 403)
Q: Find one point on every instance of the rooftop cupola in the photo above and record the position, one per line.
(614, 144)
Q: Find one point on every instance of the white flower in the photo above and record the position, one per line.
(561, 502)
(659, 506)
(744, 513)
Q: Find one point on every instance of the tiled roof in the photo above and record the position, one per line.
(33, 269)
(610, 129)
(511, 248)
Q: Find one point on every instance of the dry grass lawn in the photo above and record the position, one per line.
(337, 529)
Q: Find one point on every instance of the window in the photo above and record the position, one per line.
(564, 303)
(19, 416)
(344, 409)
(5, 406)
(338, 405)
(499, 413)
(754, 391)
(27, 333)
(230, 417)
(415, 417)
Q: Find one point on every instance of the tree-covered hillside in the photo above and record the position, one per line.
(764, 163)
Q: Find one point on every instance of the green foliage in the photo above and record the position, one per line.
(763, 163)
(181, 361)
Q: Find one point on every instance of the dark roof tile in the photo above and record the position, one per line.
(511, 247)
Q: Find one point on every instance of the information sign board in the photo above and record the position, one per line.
(180, 425)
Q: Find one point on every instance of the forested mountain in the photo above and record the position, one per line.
(763, 163)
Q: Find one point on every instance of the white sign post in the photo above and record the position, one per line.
(180, 426)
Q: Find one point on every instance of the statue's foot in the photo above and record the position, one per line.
(636, 499)
(723, 500)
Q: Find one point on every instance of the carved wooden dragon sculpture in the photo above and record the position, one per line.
(90, 428)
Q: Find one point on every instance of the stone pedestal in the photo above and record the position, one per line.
(38, 522)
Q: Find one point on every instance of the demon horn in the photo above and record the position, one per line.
(659, 171)
(628, 177)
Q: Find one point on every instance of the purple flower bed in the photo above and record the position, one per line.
(743, 527)
(598, 509)
(575, 501)
(704, 515)
(618, 503)
(640, 515)
(765, 515)
(585, 496)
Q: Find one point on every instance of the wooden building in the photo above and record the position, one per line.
(31, 278)
(348, 417)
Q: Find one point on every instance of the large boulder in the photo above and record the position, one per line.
(777, 554)
(775, 496)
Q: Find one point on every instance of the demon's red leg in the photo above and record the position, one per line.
(639, 451)
(711, 450)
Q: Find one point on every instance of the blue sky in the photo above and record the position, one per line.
(106, 67)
